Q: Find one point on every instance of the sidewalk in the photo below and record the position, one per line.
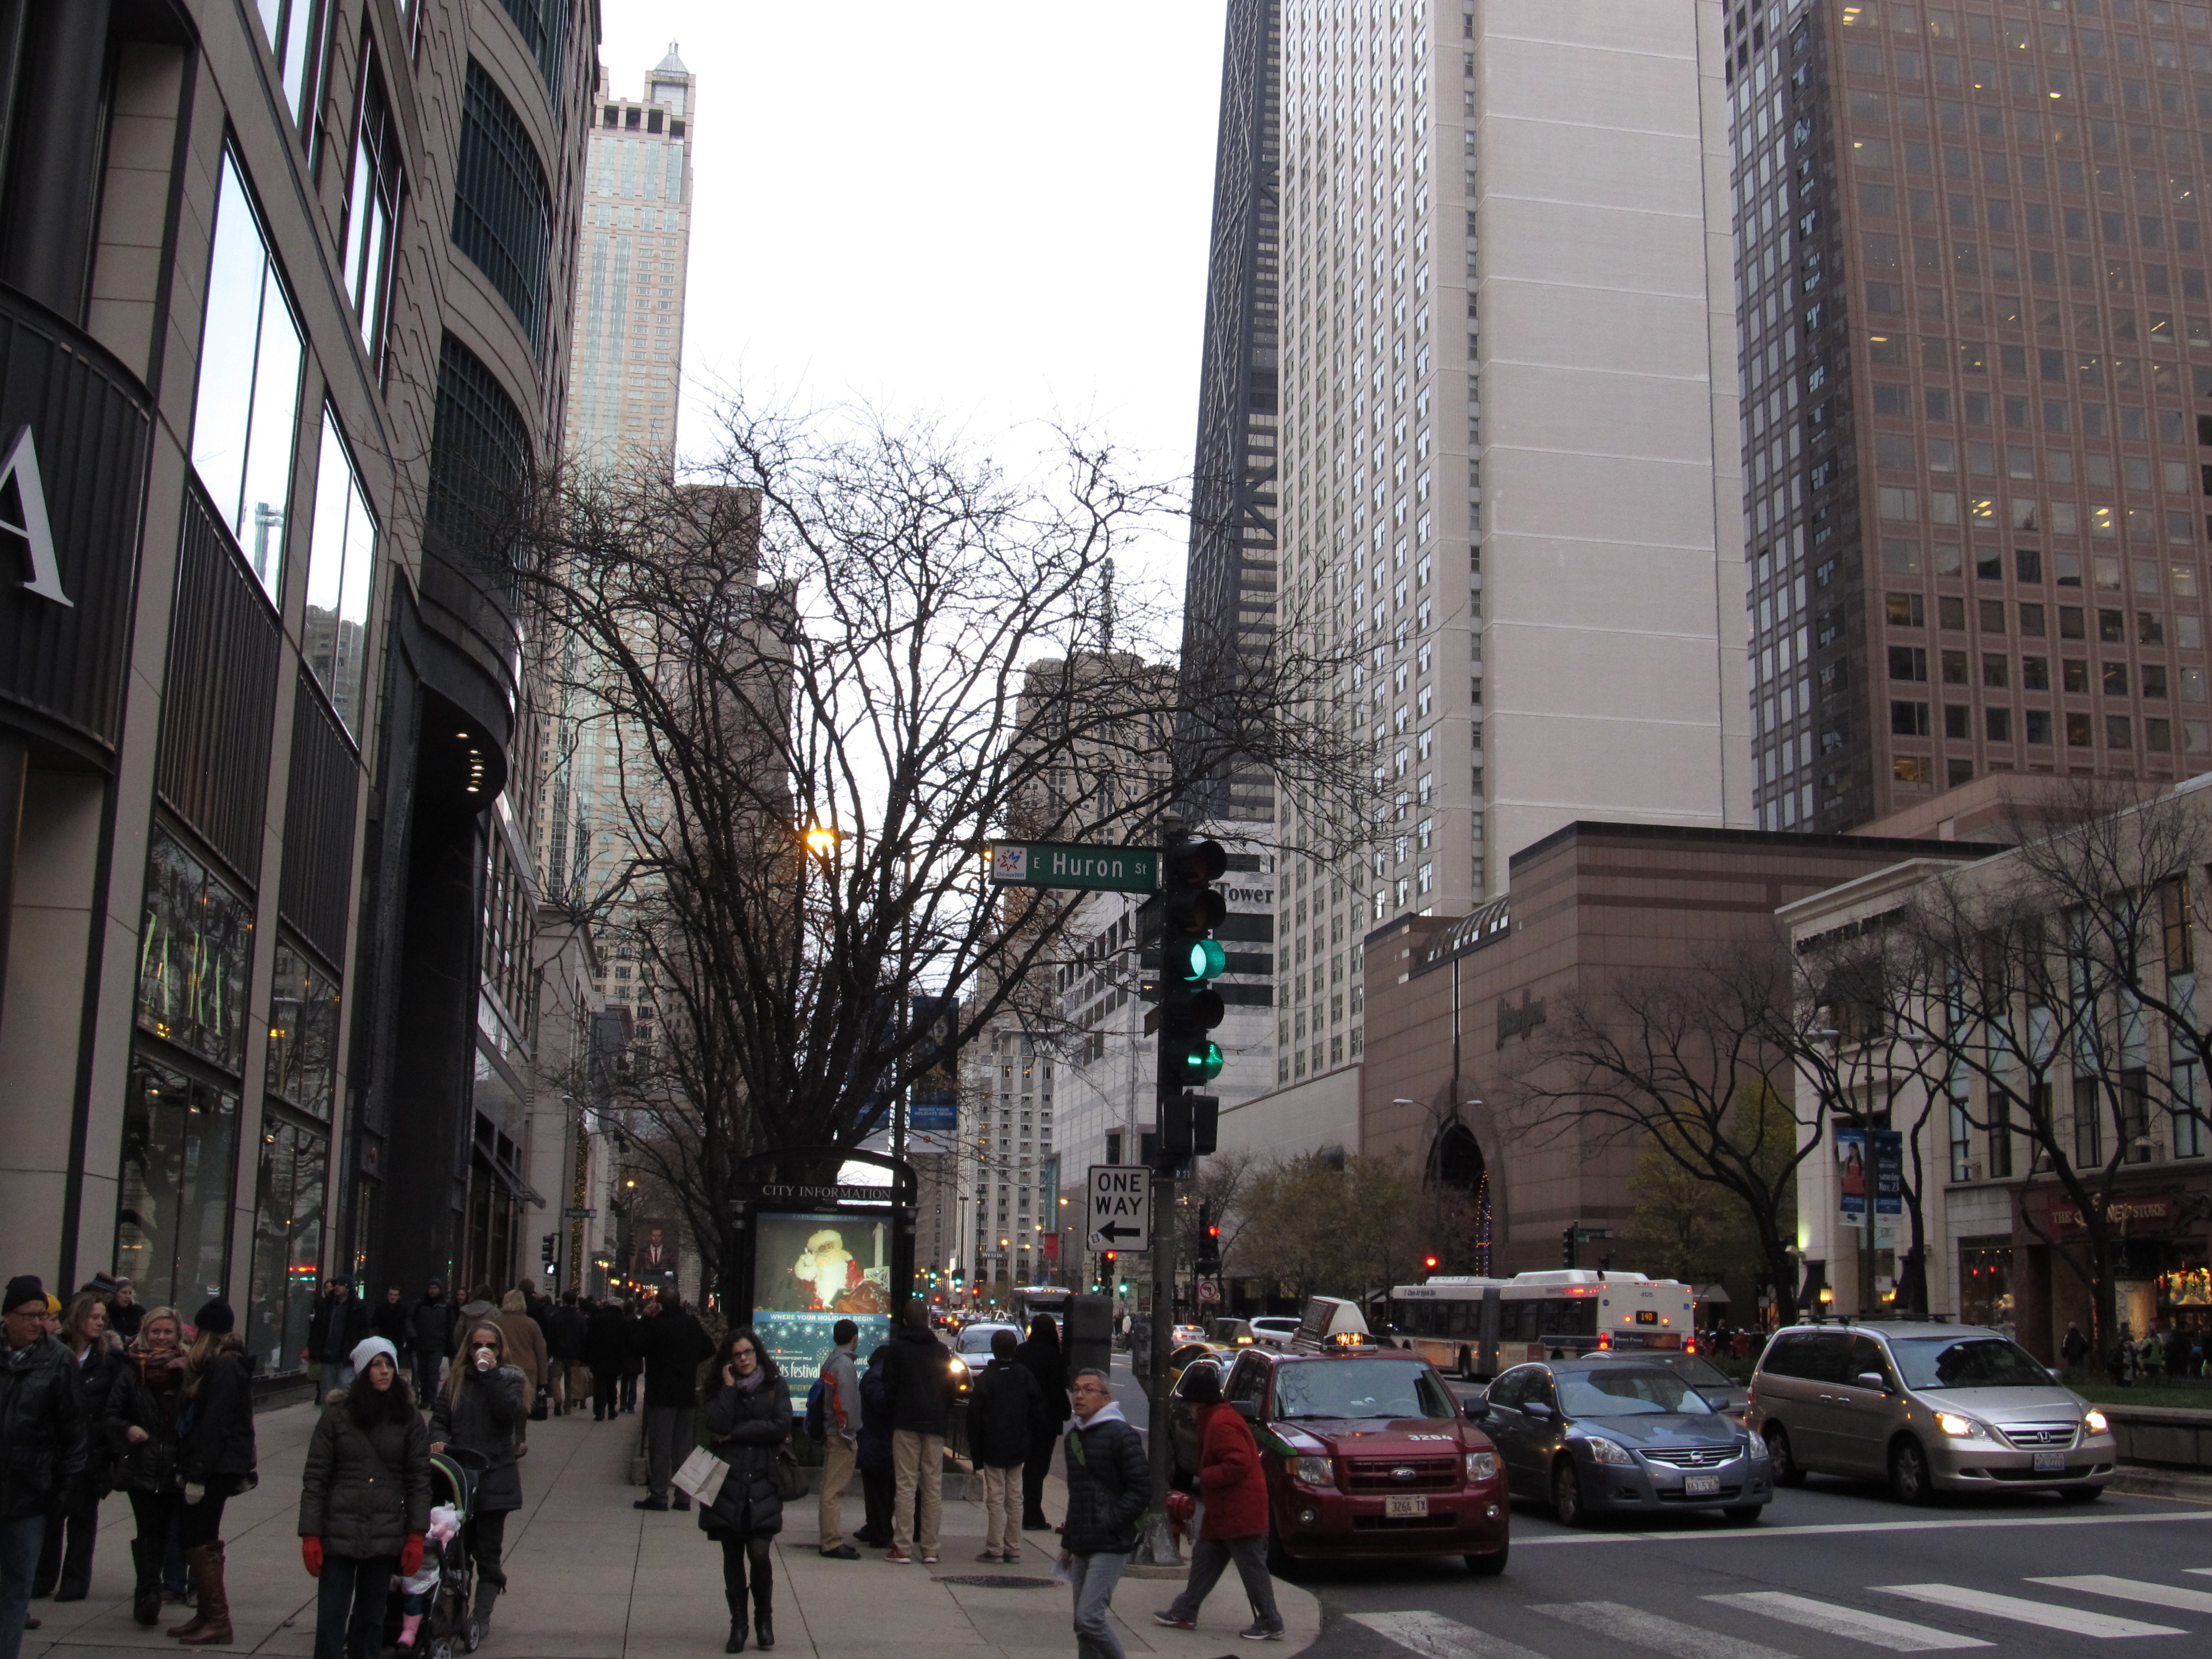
(591, 1578)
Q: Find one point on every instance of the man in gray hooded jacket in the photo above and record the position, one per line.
(1109, 1486)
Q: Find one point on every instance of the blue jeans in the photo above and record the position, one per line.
(349, 1600)
(1093, 1577)
(20, 1541)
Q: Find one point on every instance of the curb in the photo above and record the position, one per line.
(2137, 1481)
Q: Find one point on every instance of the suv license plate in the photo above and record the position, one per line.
(1701, 1486)
(2050, 1462)
(1405, 1506)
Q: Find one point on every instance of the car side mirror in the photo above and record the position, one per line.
(1874, 1380)
(1247, 1409)
(1477, 1411)
(2057, 1375)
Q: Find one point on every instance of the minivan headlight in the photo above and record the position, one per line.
(2094, 1421)
(1960, 1428)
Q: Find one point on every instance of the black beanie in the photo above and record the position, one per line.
(24, 1287)
(215, 1316)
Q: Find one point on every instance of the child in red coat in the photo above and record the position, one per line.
(1235, 1525)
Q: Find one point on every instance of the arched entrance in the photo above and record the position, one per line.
(1457, 1166)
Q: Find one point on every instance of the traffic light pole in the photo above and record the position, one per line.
(1159, 1545)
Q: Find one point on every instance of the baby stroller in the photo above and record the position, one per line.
(430, 1617)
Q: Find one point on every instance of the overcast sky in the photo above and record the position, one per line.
(993, 210)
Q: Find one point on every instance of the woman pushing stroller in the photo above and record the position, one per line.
(480, 1410)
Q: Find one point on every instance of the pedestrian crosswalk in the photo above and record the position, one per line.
(2075, 1605)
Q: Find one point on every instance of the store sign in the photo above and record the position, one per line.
(1851, 1157)
(2149, 1212)
(19, 473)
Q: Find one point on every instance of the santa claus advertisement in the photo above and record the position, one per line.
(812, 1271)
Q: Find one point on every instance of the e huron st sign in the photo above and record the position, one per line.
(1058, 864)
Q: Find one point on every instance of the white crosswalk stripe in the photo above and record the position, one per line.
(1896, 1635)
(2133, 1590)
(1432, 1636)
(2047, 1615)
(1621, 1622)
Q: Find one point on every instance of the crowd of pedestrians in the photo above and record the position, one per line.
(105, 1394)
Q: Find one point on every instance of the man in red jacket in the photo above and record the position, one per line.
(1234, 1526)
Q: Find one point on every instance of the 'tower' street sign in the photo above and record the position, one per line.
(1057, 864)
(1120, 1207)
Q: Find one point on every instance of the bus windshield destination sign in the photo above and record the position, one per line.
(1056, 864)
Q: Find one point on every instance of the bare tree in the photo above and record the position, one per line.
(844, 663)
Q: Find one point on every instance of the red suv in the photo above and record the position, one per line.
(1368, 1455)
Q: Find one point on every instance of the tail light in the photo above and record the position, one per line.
(1604, 1339)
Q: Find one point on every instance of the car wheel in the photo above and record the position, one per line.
(2080, 1494)
(1567, 1494)
(1786, 1472)
(1488, 1566)
(1743, 1515)
(1909, 1481)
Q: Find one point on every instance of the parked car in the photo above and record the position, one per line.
(1600, 1435)
(1927, 1407)
(1368, 1456)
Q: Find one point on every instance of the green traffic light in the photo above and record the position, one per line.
(1206, 961)
(1203, 1065)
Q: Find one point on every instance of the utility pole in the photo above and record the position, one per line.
(1159, 1537)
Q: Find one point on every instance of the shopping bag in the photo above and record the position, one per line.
(701, 1476)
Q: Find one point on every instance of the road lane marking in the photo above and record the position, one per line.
(1435, 1636)
(2045, 1615)
(1751, 1534)
(1897, 1635)
(1618, 1621)
(2133, 1590)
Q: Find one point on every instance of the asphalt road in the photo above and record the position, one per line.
(1834, 1569)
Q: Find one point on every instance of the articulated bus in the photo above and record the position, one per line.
(1478, 1326)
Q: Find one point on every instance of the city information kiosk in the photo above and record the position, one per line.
(814, 1250)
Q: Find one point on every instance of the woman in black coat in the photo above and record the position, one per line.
(65, 1569)
(214, 1462)
(1043, 1357)
(364, 1502)
(747, 1416)
(481, 1410)
(143, 1411)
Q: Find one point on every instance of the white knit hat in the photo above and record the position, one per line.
(367, 1349)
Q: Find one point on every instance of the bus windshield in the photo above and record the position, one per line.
(1360, 1388)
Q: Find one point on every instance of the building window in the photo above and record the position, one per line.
(194, 947)
(288, 1239)
(1962, 1133)
(479, 466)
(248, 409)
(173, 1202)
(1999, 1135)
(502, 211)
(371, 211)
(295, 29)
(2088, 1125)
(303, 1032)
(341, 569)
(544, 27)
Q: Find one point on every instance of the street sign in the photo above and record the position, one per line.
(1209, 1289)
(575, 1213)
(1120, 1210)
(1060, 864)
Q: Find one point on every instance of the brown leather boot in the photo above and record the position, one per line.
(214, 1604)
(196, 1561)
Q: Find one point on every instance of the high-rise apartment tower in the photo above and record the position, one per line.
(1978, 357)
(1508, 471)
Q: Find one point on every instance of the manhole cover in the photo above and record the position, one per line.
(998, 1580)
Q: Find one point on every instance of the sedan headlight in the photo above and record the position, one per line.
(1482, 1465)
(1960, 1428)
(2094, 1422)
(1313, 1472)
(1755, 1447)
(958, 1363)
(1609, 1451)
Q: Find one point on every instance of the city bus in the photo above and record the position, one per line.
(1026, 1302)
(1539, 1316)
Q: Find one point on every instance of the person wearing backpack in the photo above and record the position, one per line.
(833, 1419)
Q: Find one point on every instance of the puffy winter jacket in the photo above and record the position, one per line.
(215, 1425)
(1110, 1484)
(1229, 1476)
(745, 1430)
(148, 1394)
(364, 1490)
(1005, 1411)
(44, 1439)
(485, 1420)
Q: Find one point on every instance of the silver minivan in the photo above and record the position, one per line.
(1928, 1408)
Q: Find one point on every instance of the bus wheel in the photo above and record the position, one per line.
(1466, 1363)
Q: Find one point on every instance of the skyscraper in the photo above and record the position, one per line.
(1976, 341)
(625, 374)
(1507, 477)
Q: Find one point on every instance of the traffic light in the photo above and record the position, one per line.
(1429, 1263)
(1567, 1240)
(1190, 1125)
(548, 1249)
(1208, 1265)
(1191, 908)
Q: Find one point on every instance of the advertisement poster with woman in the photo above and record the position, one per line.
(809, 1272)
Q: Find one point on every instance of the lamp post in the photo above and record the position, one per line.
(1833, 1038)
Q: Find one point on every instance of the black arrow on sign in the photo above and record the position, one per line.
(1115, 1230)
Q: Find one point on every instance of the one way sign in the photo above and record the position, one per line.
(1120, 1207)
